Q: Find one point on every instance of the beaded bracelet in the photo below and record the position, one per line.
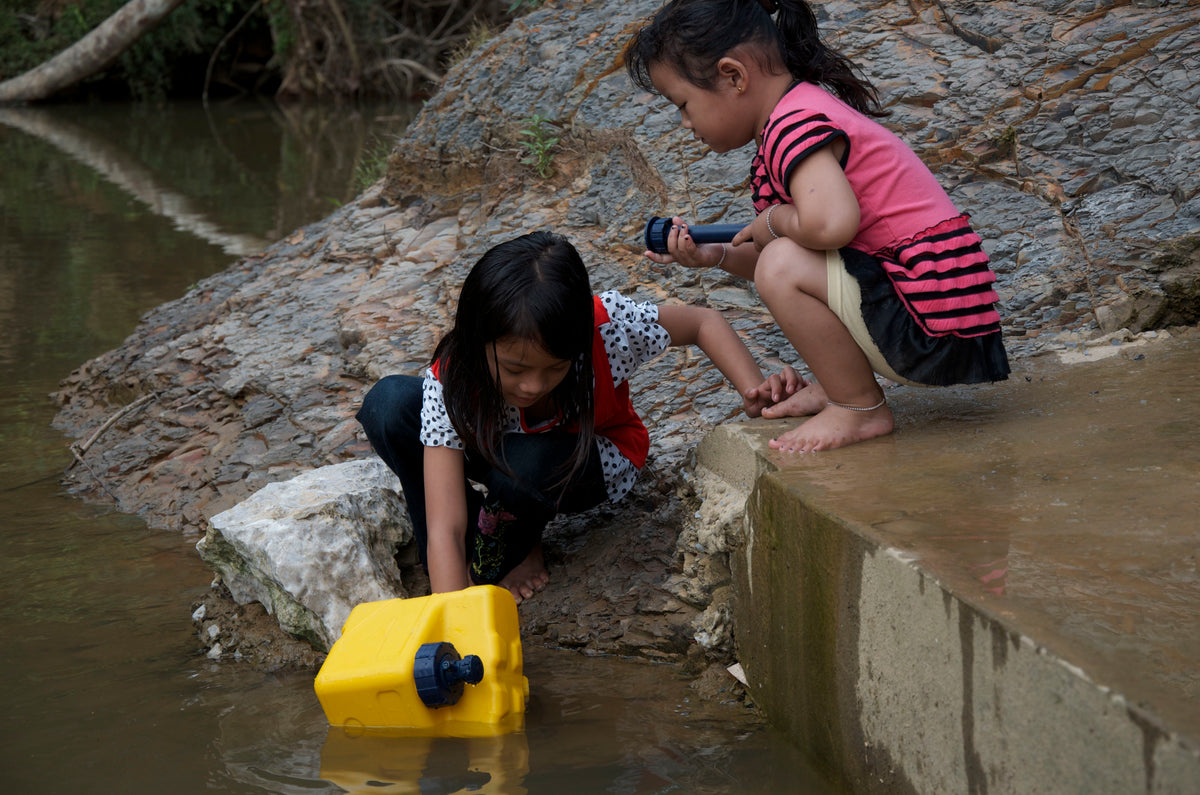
(770, 228)
(724, 251)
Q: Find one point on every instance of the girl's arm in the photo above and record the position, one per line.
(824, 215)
(446, 519)
(695, 325)
(740, 261)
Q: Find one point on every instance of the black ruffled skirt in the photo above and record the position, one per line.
(908, 348)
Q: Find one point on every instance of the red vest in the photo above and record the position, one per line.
(615, 417)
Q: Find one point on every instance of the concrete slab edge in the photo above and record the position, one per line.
(892, 682)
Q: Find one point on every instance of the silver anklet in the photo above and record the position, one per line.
(858, 408)
(724, 251)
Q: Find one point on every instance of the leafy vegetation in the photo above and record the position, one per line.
(479, 33)
(289, 48)
(372, 164)
(539, 144)
(170, 61)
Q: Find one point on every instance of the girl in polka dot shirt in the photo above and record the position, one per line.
(528, 397)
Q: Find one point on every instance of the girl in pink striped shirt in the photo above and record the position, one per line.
(862, 258)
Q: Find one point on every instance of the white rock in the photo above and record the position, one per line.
(311, 548)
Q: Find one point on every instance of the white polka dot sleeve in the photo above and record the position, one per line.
(632, 336)
(436, 430)
(619, 471)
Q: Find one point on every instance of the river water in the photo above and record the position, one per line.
(106, 212)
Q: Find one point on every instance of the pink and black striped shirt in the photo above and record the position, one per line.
(927, 247)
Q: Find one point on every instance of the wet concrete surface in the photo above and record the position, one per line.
(1063, 503)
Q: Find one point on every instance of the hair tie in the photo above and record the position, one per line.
(770, 6)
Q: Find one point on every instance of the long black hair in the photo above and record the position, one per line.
(691, 36)
(534, 287)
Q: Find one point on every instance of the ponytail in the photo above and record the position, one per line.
(809, 59)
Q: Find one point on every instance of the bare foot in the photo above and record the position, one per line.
(835, 427)
(529, 576)
(809, 400)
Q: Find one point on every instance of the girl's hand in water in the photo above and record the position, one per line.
(777, 388)
(684, 251)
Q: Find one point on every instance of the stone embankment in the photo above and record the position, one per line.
(1068, 131)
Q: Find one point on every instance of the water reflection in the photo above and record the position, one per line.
(99, 657)
(107, 211)
(125, 171)
(593, 725)
(364, 762)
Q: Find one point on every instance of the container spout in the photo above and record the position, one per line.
(439, 674)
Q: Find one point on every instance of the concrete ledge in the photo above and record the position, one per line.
(946, 610)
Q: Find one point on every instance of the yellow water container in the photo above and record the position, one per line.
(449, 664)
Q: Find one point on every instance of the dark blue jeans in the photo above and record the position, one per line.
(505, 525)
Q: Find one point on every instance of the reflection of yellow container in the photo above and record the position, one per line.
(380, 762)
(368, 677)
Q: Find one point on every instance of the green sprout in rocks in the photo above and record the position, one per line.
(539, 144)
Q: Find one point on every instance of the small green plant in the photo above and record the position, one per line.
(1007, 140)
(539, 144)
(372, 164)
(478, 33)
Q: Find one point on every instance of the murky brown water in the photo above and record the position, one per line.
(106, 212)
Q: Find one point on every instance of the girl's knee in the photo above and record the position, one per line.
(786, 267)
(389, 402)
